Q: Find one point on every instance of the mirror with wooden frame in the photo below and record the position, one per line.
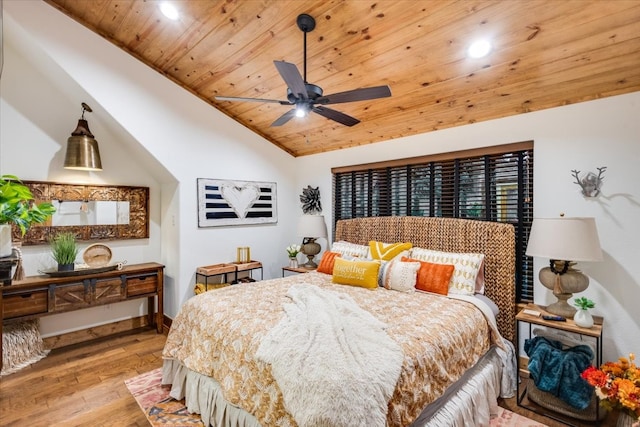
(92, 212)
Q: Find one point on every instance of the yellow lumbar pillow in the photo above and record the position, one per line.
(356, 273)
(387, 251)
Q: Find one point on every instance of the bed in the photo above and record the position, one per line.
(303, 350)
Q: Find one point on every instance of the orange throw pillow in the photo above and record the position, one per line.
(433, 277)
(327, 261)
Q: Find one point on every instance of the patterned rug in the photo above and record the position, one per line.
(163, 411)
(160, 409)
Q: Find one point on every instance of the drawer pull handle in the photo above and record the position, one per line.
(26, 296)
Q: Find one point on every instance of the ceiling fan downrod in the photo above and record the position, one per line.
(306, 23)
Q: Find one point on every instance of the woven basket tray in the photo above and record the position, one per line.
(549, 401)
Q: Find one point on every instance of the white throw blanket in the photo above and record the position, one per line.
(333, 361)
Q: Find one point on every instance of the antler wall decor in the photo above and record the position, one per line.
(591, 182)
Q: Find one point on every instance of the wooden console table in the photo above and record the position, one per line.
(38, 296)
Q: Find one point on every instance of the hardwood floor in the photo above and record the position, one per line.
(83, 385)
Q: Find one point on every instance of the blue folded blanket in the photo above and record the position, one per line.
(557, 371)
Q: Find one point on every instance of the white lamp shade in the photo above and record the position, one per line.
(565, 239)
(312, 226)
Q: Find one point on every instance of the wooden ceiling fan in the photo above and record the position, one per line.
(307, 97)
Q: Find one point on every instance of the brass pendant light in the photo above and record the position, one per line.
(82, 148)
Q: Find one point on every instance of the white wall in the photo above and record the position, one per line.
(36, 118)
(584, 136)
(170, 136)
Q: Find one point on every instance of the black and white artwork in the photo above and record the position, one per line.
(224, 202)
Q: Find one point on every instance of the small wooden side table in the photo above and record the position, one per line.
(526, 322)
(296, 270)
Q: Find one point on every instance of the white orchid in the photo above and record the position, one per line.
(292, 250)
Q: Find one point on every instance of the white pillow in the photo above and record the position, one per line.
(466, 267)
(351, 249)
(401, 276)
(492, 305)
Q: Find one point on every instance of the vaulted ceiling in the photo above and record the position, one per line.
(545, 53)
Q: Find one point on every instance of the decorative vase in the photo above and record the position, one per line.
(5, 240)
(626, 420)
(293, 262)
(66, 267)
(583, 318)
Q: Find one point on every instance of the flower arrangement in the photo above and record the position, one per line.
(584, 303)
(617, 385)
(292, 250)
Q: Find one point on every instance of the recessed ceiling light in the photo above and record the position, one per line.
(169, 10)
(479, 49)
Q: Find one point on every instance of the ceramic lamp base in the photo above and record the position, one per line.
(310, 249)
(563, 285)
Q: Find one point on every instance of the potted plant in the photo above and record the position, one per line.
(17, 206)
(292, 251)
(582, 317)
(64, 250)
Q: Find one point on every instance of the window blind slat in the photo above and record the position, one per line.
(494, 186)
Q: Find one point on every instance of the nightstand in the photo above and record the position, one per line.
(296, 270)
(542, 402)
(222, 271)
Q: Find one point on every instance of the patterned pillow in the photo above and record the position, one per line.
(401, 276)
(383, 267)
(356, 273)
(433, 277)
(382, 271)
(351, 249)
(466, 267)
(387, 251)
(327, 262)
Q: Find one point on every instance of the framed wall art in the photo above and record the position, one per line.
(225, 202)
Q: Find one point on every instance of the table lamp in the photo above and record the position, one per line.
(564, 241)
(310, 228)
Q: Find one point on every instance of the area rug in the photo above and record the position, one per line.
(164, 411)
(21, 346)
(160, 409)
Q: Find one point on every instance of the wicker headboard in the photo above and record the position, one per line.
(495, 240)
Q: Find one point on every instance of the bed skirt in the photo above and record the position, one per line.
(470, 401)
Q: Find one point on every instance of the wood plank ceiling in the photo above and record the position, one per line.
(546, 53)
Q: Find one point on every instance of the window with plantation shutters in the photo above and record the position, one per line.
(489, 184)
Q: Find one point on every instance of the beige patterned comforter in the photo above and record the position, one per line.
(218, 333)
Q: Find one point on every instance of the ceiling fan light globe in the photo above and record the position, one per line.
(301, 112)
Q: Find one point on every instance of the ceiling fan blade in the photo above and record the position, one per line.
(336, 116)
(284, 118)
(292, 78)
(355, 95)
(234, 98)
